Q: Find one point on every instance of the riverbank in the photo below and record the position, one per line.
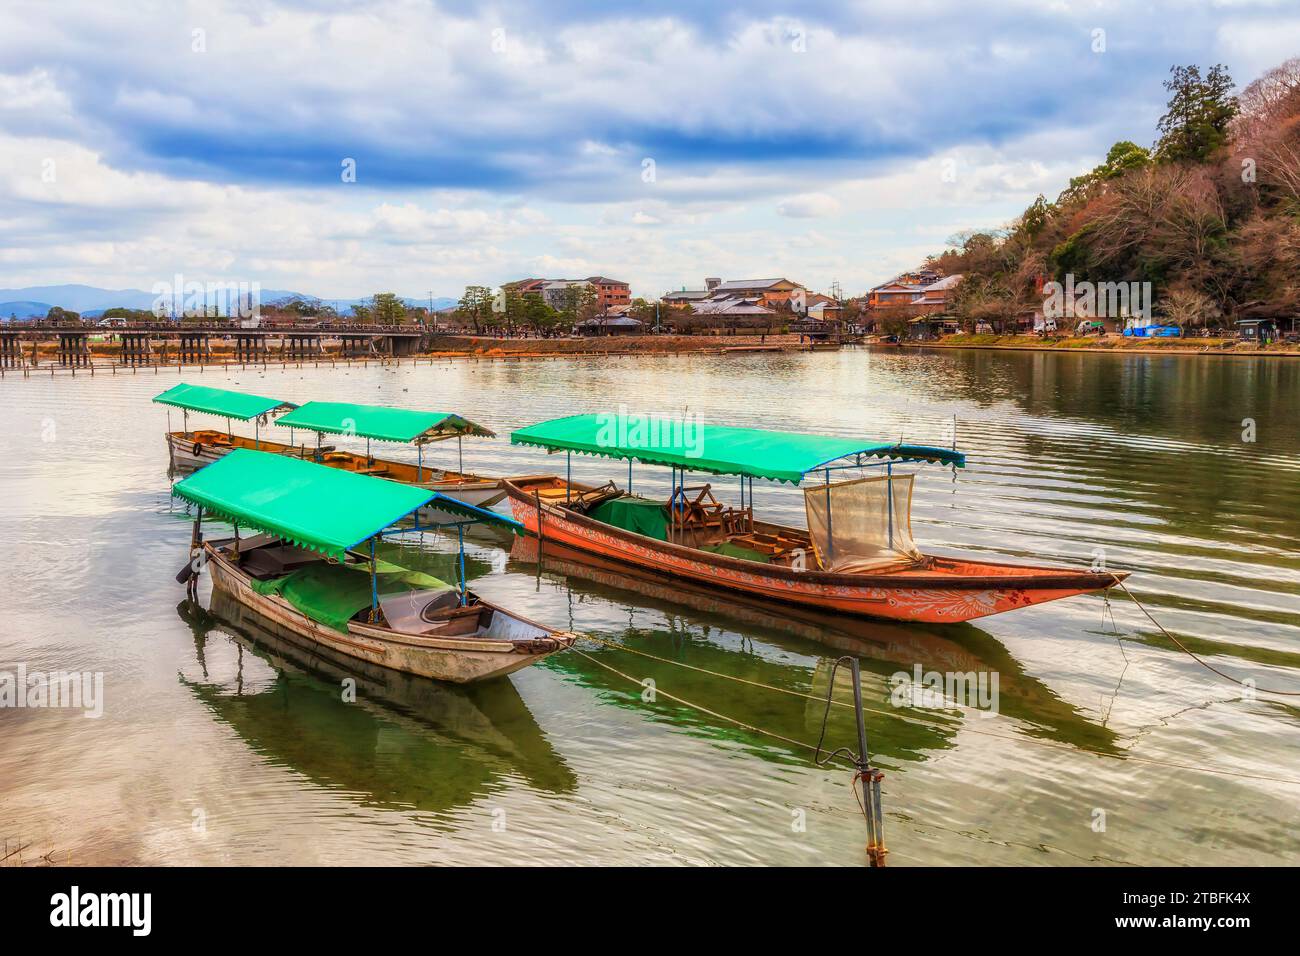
(623, 345)
(107, 357)
(1110, 343)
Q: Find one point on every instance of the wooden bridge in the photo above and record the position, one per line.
(191, 343)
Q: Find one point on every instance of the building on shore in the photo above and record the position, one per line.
(611, 324)
(772, 294)
(925, 290)
(611, 294)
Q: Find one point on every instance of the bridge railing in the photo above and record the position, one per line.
(212, 328)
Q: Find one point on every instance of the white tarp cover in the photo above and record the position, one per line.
(858, 535)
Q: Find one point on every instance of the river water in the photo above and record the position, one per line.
(1108, 745)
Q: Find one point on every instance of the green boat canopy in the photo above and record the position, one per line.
(219, 401)
(716, 449)
(313, 506)
(381, 422)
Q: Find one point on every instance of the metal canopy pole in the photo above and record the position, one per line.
(629, 476)
(374, 584)
(830, 529)
(568, 477)
(889, 500)
(369, 461)
(257, 433)
(460, 540)
(460, 454)
(672, 503)
(419, 463)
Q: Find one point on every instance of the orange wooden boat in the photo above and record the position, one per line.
(857, 556)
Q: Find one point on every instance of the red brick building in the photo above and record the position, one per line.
(610, 293)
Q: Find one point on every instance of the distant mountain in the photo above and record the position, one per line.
(80, 298)
(36, 301)
(345, 305)
(23, 310)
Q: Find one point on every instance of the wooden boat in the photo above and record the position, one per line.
(303, 571)
(701, 540)
(190, 449)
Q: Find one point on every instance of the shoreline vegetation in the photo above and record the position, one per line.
(1207, 220)
(1112, 344)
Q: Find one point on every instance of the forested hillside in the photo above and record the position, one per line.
(1210, 214)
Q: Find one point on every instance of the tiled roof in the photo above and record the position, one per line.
(731, 307)
(749, 284)
(948, 282)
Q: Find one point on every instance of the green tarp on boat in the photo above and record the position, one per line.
(332, 593)
(639, 515)
(730, 550)
(650, 518)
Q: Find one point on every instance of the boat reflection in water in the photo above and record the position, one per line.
(405, 743)
(716, 632)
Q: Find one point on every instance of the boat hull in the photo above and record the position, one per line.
(457, 660)
(949, 592)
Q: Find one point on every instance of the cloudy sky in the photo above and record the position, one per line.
(654, 141)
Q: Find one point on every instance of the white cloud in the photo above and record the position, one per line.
(483, 155)
(808, 206)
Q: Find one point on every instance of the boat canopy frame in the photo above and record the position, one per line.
(385, 423)
(382, 423)
(222, 402)
(240, 406)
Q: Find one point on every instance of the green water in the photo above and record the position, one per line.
(220, 745)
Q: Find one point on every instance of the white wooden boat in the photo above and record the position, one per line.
(449, 642)
(304, 572)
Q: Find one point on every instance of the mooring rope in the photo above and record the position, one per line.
(700, 707)
(1050, 744)
(1182, 647)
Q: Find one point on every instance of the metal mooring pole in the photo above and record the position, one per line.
(870, 778)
